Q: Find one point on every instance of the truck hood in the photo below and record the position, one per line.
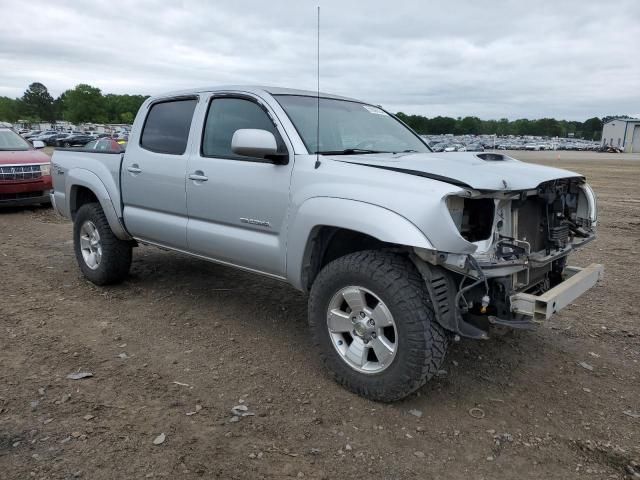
(19, 157)
(479, 171)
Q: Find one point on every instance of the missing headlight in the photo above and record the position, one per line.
(473, 217)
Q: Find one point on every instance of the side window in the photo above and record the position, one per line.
(166, 129)
(225, 116)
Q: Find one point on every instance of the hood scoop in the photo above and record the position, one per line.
(492, 157)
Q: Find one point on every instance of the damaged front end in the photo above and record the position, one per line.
(518, 274)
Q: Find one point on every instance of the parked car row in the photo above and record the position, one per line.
(479, 143)
(457, 147)
(53, 138)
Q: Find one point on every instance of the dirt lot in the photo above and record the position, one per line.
(184, 336)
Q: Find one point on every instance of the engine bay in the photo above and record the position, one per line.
(523, 239)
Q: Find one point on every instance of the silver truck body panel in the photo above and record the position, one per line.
(98, 172)
(377, 221)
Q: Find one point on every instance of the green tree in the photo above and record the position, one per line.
(592, 128)
(84, 103)
(117, 105)
(37, 103)
(9, 110)
(441, 125)
(470, 125)
(126, 117)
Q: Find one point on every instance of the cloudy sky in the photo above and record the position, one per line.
(560, 58)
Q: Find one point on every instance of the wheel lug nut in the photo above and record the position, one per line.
(362, 315)
(371, 323)
(373, 334)
(354, 319)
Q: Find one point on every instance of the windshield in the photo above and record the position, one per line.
(348, 127)
(10, 140)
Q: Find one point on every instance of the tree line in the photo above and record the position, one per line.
(87, 104)
(590, 129)
(81, 104)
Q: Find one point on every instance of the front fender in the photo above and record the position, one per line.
(79, 177)
(378, 222)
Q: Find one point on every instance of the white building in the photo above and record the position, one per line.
(623, 133)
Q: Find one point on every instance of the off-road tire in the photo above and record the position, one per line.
(116, 254)
(422, 342)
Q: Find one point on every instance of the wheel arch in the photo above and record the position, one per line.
(325, 228)
(84, 187)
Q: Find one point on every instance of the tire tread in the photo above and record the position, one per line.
(116, 253)
(398, 279)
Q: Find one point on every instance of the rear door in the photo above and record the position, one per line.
(238, 205)
(153, 174)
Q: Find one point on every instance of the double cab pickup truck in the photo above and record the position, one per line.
(400, 249)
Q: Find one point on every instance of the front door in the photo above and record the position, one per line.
(154, 175)
(237, 205)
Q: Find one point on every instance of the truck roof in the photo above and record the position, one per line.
(257, 89)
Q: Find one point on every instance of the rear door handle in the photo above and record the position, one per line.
(198, 176)
(134, 168)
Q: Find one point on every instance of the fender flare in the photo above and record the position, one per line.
(79, 177)
(373, 220)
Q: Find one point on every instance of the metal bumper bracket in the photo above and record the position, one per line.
(541, 307)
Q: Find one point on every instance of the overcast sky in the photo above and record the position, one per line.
(560, 58)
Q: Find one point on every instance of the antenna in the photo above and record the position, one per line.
(318, 91)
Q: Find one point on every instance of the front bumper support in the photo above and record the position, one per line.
(541, 307)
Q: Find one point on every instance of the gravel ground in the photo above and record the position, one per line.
(181, 342)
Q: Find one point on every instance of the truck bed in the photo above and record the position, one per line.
(77, 166)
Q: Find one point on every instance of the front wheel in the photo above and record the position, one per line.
(373, 323)
(102, 257)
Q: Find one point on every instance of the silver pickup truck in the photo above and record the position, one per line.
(400, 249)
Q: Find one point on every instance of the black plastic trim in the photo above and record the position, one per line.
(417, 173)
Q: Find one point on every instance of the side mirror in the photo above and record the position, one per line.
(253, 142)
(38, 144)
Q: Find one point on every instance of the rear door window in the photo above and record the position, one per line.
(166, 129)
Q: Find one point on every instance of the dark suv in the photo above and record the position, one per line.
(74, 140)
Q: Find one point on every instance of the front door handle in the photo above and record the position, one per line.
(133, 168)
(198, 176)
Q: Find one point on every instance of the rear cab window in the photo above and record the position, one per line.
(166, 128)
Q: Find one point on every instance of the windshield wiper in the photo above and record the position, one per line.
(349, 151)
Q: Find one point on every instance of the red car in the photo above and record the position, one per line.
(25, 173)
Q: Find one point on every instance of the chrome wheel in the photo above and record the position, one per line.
(90, 245)
(362, 329)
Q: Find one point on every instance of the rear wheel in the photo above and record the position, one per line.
(373, 323)
(66, 144)
(102, 257)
